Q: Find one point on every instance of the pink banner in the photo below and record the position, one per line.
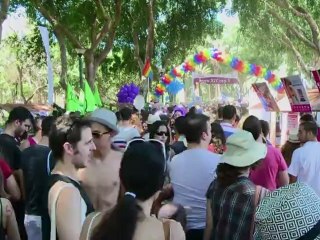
(316, 76)
(216, 80)
(296, 93)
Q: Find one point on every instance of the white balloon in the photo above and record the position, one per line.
(139, 102)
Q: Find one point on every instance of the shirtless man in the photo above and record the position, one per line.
(101, 176)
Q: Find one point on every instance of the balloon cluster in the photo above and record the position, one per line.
(128, 93)
(203, 56)
(252, 69)
(175, 86)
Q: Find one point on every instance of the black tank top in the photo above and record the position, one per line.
(46, 219)
(2, 230)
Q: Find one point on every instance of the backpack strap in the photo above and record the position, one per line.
(166, 229)
(313, 233)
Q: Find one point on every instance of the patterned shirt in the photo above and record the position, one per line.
(233, 210)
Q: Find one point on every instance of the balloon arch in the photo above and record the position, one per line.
(169, 81)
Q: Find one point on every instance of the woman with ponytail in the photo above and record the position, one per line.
(142, 174)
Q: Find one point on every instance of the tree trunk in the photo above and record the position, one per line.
(91, 68)
(3, 14)
(63, 58)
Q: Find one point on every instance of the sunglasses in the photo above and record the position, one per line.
(155, 142)
(98, 135)
(162, 133)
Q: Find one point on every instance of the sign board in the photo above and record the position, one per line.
(296, 93)
(267, 100)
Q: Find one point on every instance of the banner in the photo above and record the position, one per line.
(316, 76)
(45, 39)
(215, 79)
(296, 93)
(267, 100)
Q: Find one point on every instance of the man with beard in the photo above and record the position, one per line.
(101, 177)
(72, 146)
(19, 121)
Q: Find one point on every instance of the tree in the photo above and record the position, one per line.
(289, 24)
(3, 14)
(85, 24)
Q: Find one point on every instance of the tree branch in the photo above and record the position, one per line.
(303, 13)
(150, 39)
(3, 14)
(101, 10)
(293, 29)
(56, 24)
(137, 56)
(111, 34)
(297, 54)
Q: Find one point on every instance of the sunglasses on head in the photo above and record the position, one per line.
(162, 133)
(98, 135)
(155, 142)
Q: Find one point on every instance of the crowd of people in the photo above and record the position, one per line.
(157, 175)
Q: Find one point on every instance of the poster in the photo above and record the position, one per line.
(316, 76)
(267, 100)
(296, 93)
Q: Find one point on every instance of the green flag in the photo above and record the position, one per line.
(72, 104)
(97, 96)
(90, 101)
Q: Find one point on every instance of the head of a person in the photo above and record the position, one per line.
(71, 140)
(287, 150)
(160, 131)
(145, 126)
(265, 128)
(46, 125)
(229, 113)
(125, 114)
(20, 120)
(253, 125)
(198, 129)
(179, 125)
(243, 153)
(217, 134)
(220, 112)
(236, 121)
(103, 127)
(306, 118)
(142, 176)
(307, 131)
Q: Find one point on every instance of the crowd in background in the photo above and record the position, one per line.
(170, 173)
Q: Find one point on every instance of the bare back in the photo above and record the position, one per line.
(101, 180)
(149, 228)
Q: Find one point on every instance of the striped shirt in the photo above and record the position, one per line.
(125, 135)
(228, 129)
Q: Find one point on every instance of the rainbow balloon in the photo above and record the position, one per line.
(235, 63)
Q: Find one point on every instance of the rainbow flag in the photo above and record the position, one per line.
(147, 70)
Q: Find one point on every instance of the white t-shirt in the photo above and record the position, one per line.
(191, 173)
(125, 135)
(305, 165)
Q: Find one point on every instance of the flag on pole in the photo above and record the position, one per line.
(90, 102)
(72, 104)
(97, 96)
(147, 70)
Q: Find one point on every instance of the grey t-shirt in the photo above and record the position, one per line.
(191, 173)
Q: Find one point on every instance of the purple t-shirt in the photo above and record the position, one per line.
(265, 175)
